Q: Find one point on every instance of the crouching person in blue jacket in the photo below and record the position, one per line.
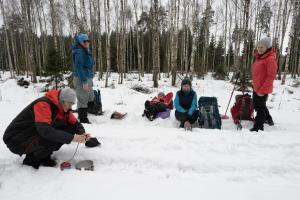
(186, 105)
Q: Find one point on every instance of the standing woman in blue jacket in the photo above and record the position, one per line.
(83, 75)
(186, 105)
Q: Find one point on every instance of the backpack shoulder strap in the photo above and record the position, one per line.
(52, 105)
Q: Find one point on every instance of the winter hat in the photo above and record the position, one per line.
(81, 37)
(161, 94)
(266, 41)
(186, 81)
(68, 95)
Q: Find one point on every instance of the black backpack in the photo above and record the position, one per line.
(95, 107)
(209, 116)
(23, 82)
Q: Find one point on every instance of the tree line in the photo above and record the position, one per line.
(187, 37)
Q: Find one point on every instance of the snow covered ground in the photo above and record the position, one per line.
(140, 159)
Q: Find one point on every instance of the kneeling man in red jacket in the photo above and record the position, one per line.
(43, 127)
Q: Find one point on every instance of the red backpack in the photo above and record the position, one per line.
(242, 109)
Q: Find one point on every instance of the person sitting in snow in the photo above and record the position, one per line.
(186, 105)
(43, 127)
(159, 106)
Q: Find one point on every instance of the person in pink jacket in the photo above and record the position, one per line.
(264, 71)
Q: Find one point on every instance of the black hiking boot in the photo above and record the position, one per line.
(270, 122)
(256, 129)
(82, 115)
(48, 162)
(31, 160)
(181, 125)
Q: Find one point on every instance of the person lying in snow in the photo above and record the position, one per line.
(43, 127)
(186, 105)
(159, 106)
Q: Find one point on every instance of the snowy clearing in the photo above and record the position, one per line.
(140, 159)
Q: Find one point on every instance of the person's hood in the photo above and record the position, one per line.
(77, 48)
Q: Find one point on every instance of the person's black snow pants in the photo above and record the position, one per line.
(41, 148)
(262, 112)
(183, 117)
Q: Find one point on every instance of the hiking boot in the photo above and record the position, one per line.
(255, 128)
(187, 126)
(239, 126)
(48, 162)
(181, 125)
(32, 161)
(91, 108)
(82, 115)
(270, 122)
(85, 121)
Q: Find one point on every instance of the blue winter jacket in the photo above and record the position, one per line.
(82, 63)
(186, 103)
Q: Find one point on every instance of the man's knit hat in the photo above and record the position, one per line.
(68, 95)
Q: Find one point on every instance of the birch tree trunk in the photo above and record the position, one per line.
(53, 23)
(27, 21)
(187, 38)
(287, 61)
(237, 41)
(174, 41)
(83, 16)
(99, 43)
(77, 24)
(225, 37)
(291, 39)
(142, 47)
(195, 9)
(230, 40)
(155, 43)
(12, 74)
(285, 19)
(122, 41)
(107, 24)
(135, 4)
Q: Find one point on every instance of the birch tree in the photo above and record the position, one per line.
(6, 40)
(107, 26)
(156, 61)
